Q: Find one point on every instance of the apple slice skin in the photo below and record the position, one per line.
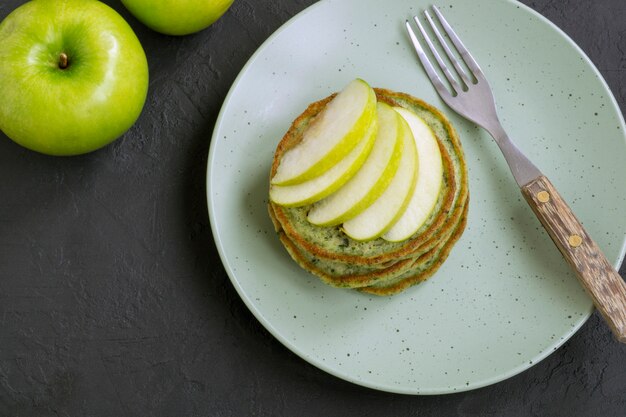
(316, 154)
(88, 104)
(376, 219)
(372, 178)
(177, 17)
(320, 187)
(429, 180)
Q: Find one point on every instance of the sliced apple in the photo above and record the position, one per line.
(429, 179)
(371, 179)
(383, 213)
(316, 189)
(330, 136)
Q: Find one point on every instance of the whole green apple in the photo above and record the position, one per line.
(73, 76)
(177, 17)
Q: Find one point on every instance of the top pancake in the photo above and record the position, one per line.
(330, 243)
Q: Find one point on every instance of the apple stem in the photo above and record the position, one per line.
(63, 60)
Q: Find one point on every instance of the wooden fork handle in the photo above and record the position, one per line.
(602, 282)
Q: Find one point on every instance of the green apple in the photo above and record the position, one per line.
(331, 136)
(391, 204)
(73, 76)
(316, 189)
(429, 180)
(177, 17)
(371, 179)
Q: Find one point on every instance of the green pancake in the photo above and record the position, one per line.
(378, 264)
(422, 269)
(381, 281)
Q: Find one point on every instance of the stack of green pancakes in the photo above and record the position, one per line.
(378, 266)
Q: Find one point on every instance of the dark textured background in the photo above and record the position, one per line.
(113, 300)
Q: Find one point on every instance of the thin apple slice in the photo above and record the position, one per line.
(429, 179)
(318, 188)
(383, 213)
(330, 136)
(371, 179)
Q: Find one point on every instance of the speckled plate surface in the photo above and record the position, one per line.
(505, 298)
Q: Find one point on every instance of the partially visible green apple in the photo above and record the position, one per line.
(73, 76)
(177, 17)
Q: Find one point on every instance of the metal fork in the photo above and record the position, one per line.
(471, 97)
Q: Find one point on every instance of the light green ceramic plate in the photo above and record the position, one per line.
(505, 299)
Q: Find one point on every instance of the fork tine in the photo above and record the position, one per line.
(467, 57)
(444, 44)
(430, 71)
(456, 87)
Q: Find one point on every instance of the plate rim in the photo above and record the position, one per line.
(267, 324)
